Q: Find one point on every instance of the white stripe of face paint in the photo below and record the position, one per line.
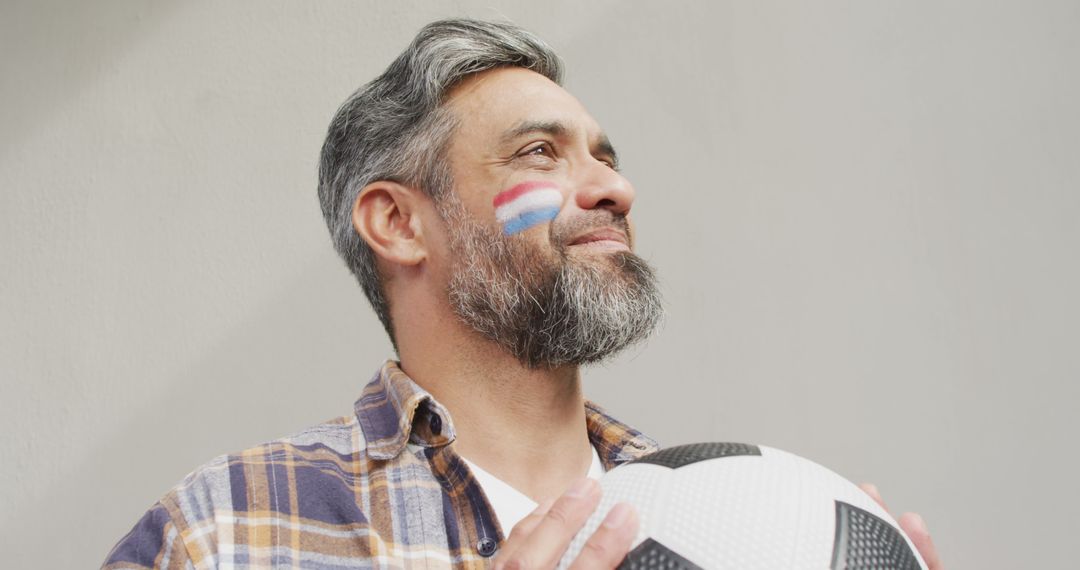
(534, 200)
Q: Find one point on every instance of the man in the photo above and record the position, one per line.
(482, 211)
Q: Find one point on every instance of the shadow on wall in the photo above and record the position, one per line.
(299, 360)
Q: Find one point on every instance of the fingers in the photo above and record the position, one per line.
(607, 547)
(872, 490)
(544, 539)
(525, 526)
(915, 528)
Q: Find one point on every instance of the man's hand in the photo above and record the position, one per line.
(541, 538)
(914, 527)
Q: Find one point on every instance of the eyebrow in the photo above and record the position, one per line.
(553, 128)
(557, 129)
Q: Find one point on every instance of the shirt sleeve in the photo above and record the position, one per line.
(154, 542)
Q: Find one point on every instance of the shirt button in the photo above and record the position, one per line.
(435, 422)
(486, 547)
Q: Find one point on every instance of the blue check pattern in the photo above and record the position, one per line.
(379, 488)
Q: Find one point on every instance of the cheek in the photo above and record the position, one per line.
(527, 205)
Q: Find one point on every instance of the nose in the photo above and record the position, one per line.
(603, 187)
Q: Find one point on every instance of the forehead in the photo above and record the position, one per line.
(492, 103)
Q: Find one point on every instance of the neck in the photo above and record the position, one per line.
(524, 426)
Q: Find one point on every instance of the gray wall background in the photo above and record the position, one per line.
(865, 216)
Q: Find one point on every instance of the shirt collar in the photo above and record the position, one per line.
(394, 411)
(615, 441)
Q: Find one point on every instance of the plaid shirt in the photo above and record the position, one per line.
(378, 488)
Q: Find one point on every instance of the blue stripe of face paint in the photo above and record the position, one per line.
(530, 219)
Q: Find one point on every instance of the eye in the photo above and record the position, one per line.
(541, 149)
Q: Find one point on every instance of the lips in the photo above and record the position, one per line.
(604, 236)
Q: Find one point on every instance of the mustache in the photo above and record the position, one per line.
(564, 231)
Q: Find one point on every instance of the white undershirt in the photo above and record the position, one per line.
(511, 505)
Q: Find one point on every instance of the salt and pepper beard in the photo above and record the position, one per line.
(546, 307)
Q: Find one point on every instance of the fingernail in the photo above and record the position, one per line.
(618, 515)
(581, 488)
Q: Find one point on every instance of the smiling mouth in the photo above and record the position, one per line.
(606, 238)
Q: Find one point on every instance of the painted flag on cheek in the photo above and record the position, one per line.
(526, 205)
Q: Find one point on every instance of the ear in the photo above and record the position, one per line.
(385, 215)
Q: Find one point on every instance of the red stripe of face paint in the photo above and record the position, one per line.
(511, 194)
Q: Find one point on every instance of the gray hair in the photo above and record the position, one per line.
(394, 128)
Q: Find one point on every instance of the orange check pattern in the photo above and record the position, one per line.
(379, 488)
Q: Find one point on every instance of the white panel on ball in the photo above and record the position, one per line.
(725, 506)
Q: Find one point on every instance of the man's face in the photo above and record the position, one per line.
(539, 233)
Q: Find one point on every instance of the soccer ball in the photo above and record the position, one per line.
(720, 506)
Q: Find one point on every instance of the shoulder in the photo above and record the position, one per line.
(266, 476)
(225, 498)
